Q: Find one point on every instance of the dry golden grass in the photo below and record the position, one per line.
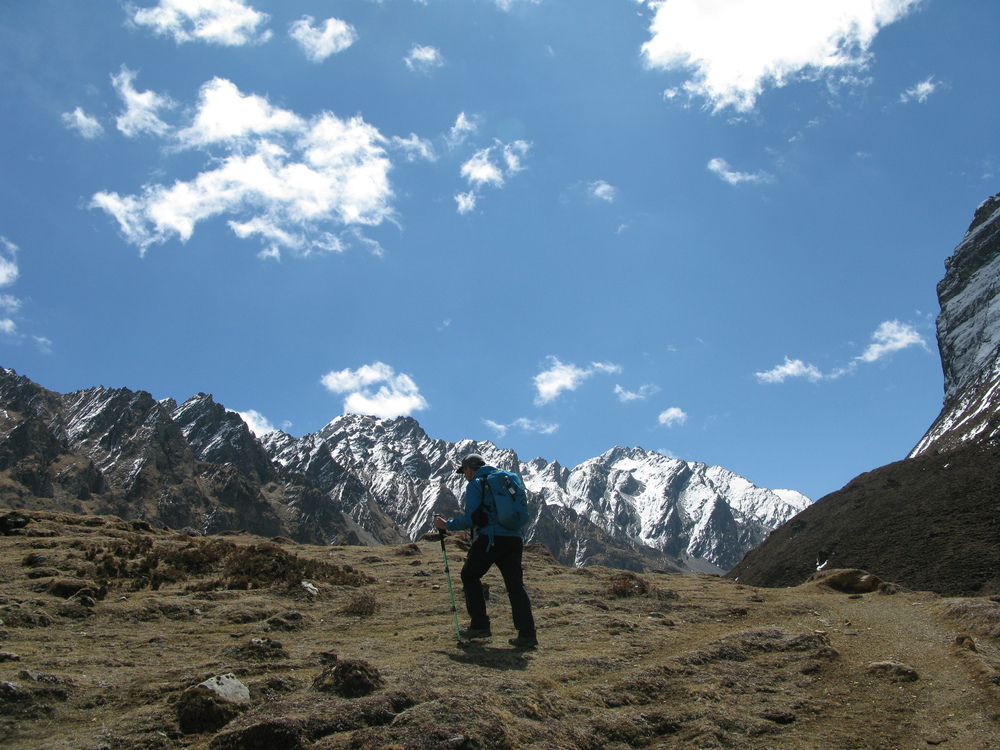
(107, 625)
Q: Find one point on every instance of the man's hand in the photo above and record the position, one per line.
(440, 524)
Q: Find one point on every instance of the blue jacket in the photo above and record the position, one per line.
(473, 499)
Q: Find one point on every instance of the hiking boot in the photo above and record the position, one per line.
(524, 641)
(471, 633)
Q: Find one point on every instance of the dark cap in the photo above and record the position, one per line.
(472, 461)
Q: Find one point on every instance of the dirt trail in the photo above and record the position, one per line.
(653, 661)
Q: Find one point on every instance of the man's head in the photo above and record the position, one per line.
(470, 465)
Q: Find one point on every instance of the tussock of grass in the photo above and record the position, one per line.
(626, 584)
(361, 604)
(979, 615)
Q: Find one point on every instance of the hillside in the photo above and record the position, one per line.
(109, 624)
(930, 520)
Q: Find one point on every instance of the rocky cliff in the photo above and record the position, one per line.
(929, 521)
(968, 333)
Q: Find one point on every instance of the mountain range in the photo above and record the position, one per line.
(359, 480)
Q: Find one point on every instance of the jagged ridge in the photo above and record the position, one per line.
(359, 480)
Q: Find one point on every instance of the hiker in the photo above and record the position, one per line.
(492, 544)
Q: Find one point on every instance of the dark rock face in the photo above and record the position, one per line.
(930, 521)
(968, 331)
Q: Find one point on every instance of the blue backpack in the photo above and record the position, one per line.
(505, 499)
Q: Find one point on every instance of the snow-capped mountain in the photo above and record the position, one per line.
(968, 333)
(359, 480)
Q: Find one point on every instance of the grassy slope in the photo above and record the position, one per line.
(693, 662)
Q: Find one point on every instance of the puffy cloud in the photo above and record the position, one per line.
(82, 123)
(791, 368)
(464, 127)
(257, 422)
(414, 147)
(319, 43)
(10, 305)
(524, 425)
(481, 170)
(672, 417)
(721, 168)
(506, 5)
(560, 377)
(465, 202)
(491, 166)
(642, 394)
(224, 114)
(920, 92)
(227, 22)
(142, 108)
(286, 180)
(733, 49)
(397, 394)
(601, 190)
(422, 59)
(891, 336)
(8, 263)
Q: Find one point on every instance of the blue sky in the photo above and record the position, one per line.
(709, 229)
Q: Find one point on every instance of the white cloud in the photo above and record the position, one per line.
(524, 425)
(602, 191)
(733, 49)
(142, 108)
(224, 114)
(481, 170)
(414, 147)
(891, 336)
(319, 43)
(466, 202)
(9, 304)
(423, 59)
(227, 22)
(791, 368)
(642, 394)
(491, 166)
(82, 123)
(257, 422)
(464, 127)
(508, 4)
(720, 168)
(8, 264)
(920, 92)
(672, 417)
(560, 377)
(397, 394)
(286, 180)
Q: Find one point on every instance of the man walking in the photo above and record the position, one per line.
(492, 544)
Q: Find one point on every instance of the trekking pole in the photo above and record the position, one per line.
(451, 591)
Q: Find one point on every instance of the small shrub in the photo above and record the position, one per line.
(627, 584)
(361, 604)
(349, 678)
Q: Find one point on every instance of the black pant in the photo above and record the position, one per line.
(506, 555)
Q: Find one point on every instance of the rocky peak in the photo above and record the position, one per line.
(968, 333)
